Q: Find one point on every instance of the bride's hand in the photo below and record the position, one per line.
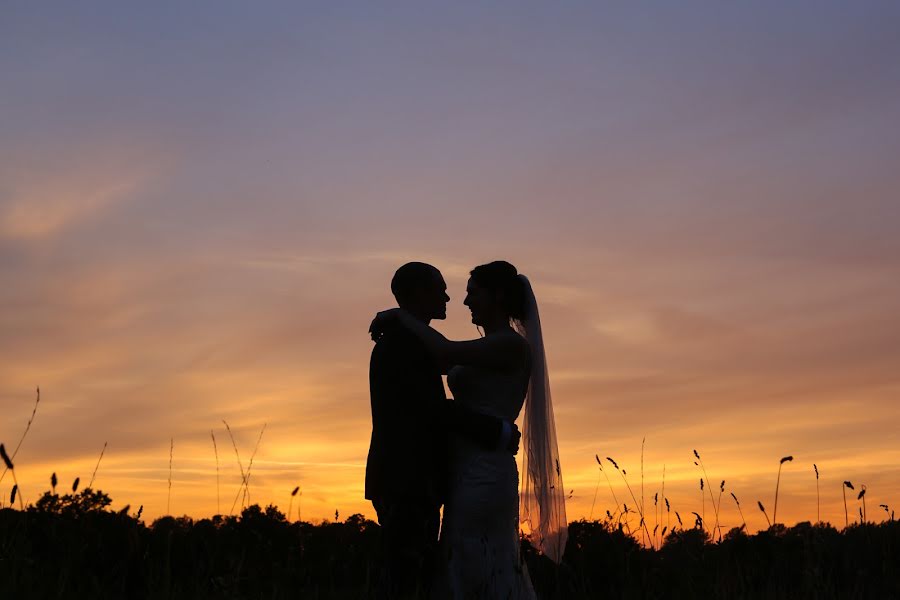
(381, 321)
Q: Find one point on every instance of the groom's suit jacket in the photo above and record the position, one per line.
(408, 450)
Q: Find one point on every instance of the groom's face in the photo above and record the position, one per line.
(434, 298)
(427, 300)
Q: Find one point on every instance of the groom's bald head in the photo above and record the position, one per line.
(420, 289)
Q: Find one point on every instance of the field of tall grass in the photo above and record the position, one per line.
(72, 546)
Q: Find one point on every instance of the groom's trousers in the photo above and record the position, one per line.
(409, 530)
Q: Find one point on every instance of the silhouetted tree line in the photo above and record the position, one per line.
(73, 546)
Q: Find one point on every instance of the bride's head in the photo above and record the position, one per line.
(495, 294)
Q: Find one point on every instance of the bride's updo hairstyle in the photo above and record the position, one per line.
(503, 281)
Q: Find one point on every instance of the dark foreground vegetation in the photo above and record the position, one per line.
(73, 546)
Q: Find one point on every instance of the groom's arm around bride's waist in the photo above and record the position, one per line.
(492, 433)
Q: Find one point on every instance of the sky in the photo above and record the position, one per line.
(202, 205)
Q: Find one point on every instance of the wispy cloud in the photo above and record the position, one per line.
(36, 206)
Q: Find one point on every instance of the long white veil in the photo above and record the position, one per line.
(542, 499)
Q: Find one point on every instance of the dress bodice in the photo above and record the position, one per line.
(487, 391)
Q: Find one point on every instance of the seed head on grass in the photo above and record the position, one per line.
(75, 484)
(53, 482)
(9, 467)
(763, 509)
(291, 503)
(5, 456)
(862, 496)
(12, 495)
(702, 497)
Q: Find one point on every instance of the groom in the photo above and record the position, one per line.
(407, 470)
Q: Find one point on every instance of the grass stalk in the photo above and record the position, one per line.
(633, 498)
(97, 466)
(662, 494)
(643, 510)
(169, 496)
(777, 483)
(609, 483)
(240, 464)
(22, 439)
(699, 462)
(596, 488)
(218, 495)
(816, 469)
(717, 505)
(246, 492)
(844, 487)
(739, 509)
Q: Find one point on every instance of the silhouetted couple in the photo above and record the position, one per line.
(427, 451)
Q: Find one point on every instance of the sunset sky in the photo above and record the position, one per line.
(202, 205)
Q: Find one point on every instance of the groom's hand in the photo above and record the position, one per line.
(514, 438)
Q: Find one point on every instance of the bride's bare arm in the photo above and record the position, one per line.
(495, 352)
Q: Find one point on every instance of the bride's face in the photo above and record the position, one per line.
(480, 302)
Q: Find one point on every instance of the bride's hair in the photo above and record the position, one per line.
(503, 280)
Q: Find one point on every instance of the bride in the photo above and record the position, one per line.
(497, 375)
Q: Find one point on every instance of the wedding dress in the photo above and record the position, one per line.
(479, 533)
